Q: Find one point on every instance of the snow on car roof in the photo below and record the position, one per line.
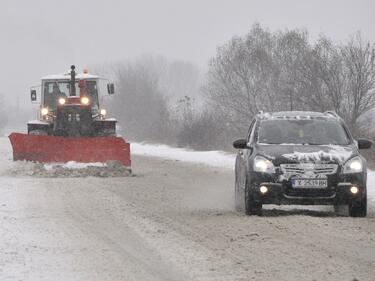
(67, 76)
(296, 115)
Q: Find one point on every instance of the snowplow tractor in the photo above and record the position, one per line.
(71, 125)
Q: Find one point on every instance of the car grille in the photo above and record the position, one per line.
(309, 168)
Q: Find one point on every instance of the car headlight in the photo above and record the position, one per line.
(263, 165)
(85, 100)
(354, 165)
(44, 111)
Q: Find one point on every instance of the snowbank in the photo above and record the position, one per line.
(70, 169)
(211, 158)
(73, 165)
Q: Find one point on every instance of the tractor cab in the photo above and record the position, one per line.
(55, 91)
(59, 90)
(70, 106)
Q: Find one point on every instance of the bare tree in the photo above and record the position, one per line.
(139, 105)
(359, 61)
(323, 77)
(291, 52)
(259, 71)
(283, 71)
(238, 82)
(179, 79)
(147, 87)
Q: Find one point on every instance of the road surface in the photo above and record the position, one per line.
(170, 221)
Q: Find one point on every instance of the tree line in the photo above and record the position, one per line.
(262, 70)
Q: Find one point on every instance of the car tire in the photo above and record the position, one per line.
(252, 207)
(236, 197)
(358, 208)
(340, 210)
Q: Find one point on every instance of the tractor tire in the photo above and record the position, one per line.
(38, 133)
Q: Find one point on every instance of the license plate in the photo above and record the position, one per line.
(309, 183)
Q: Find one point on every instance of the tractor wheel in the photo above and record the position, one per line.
(38, 132)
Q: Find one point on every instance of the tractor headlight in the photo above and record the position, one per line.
(44, 111)
(85, 100)
(354, 165)
(263, 165)
(354, 190)
(103, 112)
(62, 101)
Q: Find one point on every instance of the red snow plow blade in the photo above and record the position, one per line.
(52, 149)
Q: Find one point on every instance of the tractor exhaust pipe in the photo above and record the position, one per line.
(72, 81)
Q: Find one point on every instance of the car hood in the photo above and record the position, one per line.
(307, 153)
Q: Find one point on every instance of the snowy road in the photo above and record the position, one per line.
(171, 221)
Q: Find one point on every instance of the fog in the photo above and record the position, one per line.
(43, 37)
(190, 76)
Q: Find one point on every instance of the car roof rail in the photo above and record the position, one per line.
(333, 113)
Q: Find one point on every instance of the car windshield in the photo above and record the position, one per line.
(57, 89)
(297, 131)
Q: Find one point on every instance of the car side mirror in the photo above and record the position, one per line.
(240, 144)
(33, 95)
(364, 143)
(111, 88)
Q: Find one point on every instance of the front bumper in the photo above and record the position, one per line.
(337, 192)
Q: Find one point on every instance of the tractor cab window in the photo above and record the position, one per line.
(61, 89)
(53, 91)
(92, 93)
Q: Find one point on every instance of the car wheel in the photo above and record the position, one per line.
(236, 197)
(340, 210)
(251, 206)
(358, 208)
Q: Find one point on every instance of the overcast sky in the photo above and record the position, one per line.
(43, 37)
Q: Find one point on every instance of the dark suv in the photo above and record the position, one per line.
(300, 158)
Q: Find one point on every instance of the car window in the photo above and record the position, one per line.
(307, 131)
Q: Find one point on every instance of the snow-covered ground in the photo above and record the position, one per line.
(172, 220)
(211, 158)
